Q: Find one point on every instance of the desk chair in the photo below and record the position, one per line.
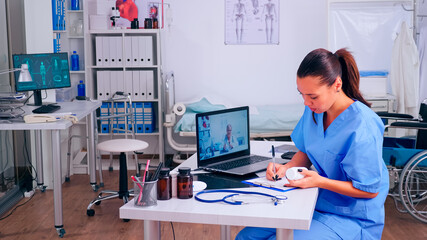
(121, 146)
(119, 122)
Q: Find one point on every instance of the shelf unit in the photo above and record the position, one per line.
(72, 39)
(92, 82)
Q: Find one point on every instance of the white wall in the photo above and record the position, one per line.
(193, 47)
(39, 39)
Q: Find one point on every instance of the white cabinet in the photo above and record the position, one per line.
(128, 60)
(383, 104)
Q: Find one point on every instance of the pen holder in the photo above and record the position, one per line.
(145, 193)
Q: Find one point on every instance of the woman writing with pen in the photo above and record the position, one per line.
(341, 137)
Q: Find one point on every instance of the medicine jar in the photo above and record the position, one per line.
(184, 183)
(164, 185)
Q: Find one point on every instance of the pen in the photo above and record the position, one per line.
(143, 181)
(274, 163)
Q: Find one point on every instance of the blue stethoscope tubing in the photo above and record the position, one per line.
(276, 199)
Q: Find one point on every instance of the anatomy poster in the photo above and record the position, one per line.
(251, 22)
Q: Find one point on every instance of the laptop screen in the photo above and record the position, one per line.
(222, 135)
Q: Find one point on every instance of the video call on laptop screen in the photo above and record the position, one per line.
(222, 133)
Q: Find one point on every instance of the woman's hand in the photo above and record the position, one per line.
(280, 171)
(311, 179)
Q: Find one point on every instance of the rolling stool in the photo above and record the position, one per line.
(117, 146)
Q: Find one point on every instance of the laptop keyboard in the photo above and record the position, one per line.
(240, 162)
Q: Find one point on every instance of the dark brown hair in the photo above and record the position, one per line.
(328, 66)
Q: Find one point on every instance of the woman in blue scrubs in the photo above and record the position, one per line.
(341, 137)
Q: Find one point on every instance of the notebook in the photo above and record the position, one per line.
(223, 143)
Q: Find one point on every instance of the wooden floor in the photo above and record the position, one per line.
(35, 219)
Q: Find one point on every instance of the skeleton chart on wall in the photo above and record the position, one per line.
(251, 22)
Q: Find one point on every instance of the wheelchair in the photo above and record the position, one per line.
(406, 160)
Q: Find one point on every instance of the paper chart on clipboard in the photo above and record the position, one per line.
(264, 182)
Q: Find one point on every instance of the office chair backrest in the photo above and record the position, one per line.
(422, 134)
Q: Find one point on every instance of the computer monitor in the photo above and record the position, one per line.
(47, 70)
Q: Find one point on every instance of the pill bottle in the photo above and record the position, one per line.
(164, 185)
(184, 182)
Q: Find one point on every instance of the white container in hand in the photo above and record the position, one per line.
(293, 174)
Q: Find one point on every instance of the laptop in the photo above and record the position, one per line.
(223, 143)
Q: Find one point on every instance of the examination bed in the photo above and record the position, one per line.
(268, 121)
(265, 121)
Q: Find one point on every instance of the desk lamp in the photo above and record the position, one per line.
(24, 75)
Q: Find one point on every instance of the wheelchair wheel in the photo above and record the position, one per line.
(413, 186)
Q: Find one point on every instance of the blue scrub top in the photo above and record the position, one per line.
(349, 150)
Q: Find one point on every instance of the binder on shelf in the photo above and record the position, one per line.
(128, 51)
(128, 80)
(104, 123)
(150, 85)
(142, 50)
(135, 51)
(113, 51)
(135, 86)
(114, 82)
(121, 124)
(119, 48)
(98, 51)
(148, 117)
(120, 82)
(142, 89)
(103, 80)
(106, 51)
(149, 50)
(100, 85)
(139, 117)
(130, 126)
(58, 14)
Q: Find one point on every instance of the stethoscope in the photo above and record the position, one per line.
(233, 197)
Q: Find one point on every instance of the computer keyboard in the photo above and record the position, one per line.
(241, 162)
(47, 109)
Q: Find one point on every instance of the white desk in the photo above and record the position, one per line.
(81, 109)
(295, 213)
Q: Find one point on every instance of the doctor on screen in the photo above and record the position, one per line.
(229, 140)
(341, 137)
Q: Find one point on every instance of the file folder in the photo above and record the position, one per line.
(148, 117)
(149, 50)
(128, 79)
(139, 118)
(121, 124)
(106, 51)
(98, 51)
(114, 82)
(150, 85)
(106, 85)
(130, 126)
(113, 51)
(135, 86)
(127, 46)
(120, 82)
(135, 51)
(104, 123)
(101, 79)
(119, 49)
(142, 86)
(142, 50)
